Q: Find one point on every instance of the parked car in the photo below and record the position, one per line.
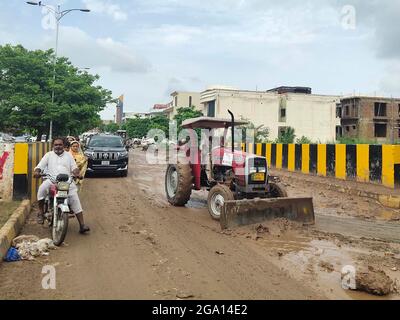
(21, 139)
(4, 137)
(107, 154)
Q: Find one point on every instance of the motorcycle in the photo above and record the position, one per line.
(56, 207)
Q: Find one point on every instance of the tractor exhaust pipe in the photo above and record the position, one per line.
(233, 131)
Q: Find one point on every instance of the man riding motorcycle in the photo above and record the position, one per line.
(54, 163)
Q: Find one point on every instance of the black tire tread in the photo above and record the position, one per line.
(185, 181)
(221, 189)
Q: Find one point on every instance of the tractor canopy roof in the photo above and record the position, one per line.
(209, 123)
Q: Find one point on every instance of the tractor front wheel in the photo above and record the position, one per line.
(178, 184)
(216, 199)
(277, 190)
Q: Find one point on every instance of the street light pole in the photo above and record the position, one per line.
(58, 14)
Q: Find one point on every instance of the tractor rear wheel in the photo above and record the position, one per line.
(178, 184)
(277, 190)
(216, 199)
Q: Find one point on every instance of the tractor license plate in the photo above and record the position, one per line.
(105, 163)
(260, 176)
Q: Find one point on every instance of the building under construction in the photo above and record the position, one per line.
(370, 118)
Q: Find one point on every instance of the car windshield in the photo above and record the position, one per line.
(108, 142)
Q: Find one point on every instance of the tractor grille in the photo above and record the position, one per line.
(105, 156)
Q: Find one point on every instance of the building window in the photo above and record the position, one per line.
(354, 127)
(399, 110)
(282, 117)
(281, 131)
(380, 109)
(347, 128)
(398, 126)
(338, 112)
(190, 101)
(347, 110)
(176, 101)
(380, 130)
(211, 109)
(339, 132)
(355, 111)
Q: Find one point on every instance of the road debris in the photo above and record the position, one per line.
(373, 281)
(30, 247)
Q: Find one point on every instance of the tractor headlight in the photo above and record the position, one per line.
(253, 170)
(257, 169)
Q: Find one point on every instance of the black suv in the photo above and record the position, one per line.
(107, 153)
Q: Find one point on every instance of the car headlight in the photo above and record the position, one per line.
(89, 154)
(253, 170)
(123, 154)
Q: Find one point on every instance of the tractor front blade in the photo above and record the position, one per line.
(244, 212)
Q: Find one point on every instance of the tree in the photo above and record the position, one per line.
(26, 84)
(111, 127)
(261, 132)
(184, 114)
(139, 127)
(286, 136)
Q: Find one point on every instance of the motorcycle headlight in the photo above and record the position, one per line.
(63, 186)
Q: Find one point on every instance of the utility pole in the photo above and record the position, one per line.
(58, 15)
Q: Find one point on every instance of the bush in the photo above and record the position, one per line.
(304, 140)
(287, 136)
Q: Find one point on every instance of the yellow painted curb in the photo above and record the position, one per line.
(13, 226)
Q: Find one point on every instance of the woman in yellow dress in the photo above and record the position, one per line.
(80, 159)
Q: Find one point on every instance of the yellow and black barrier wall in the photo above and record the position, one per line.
(364, 163)
(27, 156)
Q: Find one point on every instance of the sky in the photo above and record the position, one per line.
(146, 49)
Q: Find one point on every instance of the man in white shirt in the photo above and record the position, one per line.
(54, 163)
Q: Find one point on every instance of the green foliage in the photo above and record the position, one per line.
(184, 114)
(139, 127)
(187, 113)
(26, 84)
(345, 140)
(111, 127)
(287, 136)
(304, 140)
(261, 133)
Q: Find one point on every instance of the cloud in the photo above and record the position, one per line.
(390, 82)
(383, 18)
(85, 51)
(107, 8)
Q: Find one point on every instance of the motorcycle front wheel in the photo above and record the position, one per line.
(60, 227)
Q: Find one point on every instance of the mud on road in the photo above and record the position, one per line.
(142, 248)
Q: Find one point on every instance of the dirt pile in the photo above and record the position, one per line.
(373, 281)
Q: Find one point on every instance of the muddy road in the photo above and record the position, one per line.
(142, 248)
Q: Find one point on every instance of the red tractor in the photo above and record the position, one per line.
(241, 191)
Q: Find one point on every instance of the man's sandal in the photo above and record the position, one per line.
(84, 229)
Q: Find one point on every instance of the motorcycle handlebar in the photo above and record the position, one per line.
(72, 178)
